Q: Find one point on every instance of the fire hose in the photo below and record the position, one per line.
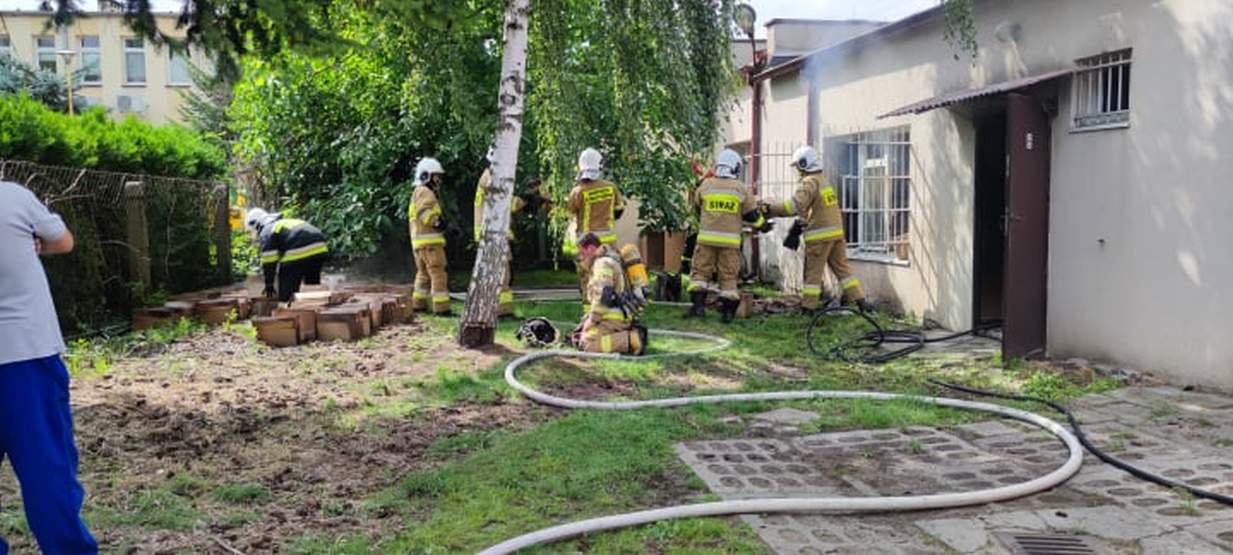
(776, 505)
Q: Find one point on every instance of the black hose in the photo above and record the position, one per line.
(1087, 444)
(916, 340)
(913, 340)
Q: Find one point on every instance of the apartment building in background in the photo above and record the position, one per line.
(118, 69)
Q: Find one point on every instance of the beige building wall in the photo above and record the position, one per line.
(157, 100)
(1140, 268)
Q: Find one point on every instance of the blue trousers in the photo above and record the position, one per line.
(36, 434)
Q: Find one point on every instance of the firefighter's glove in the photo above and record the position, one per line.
(439, 225)
(766, 227)
(793, 240)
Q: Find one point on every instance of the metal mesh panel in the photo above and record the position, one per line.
(96, 285)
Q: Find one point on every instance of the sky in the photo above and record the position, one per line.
(887, 10)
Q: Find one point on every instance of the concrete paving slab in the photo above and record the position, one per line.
(1122, 513)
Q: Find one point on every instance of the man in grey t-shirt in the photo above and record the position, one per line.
(36, 424)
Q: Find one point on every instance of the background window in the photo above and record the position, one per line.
(875, 194)
(177, 69)
(45, 53)
(5, 45)
(1101, 91)
(134, 62)
(91, 61)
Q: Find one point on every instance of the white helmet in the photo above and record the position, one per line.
(806, 159)
(255, 219)
(728, 164)
(425, 170)
(589, 163)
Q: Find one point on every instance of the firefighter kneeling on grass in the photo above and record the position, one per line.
(291, 250)
(616, 290)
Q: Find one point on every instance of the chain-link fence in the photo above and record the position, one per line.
(138, 238)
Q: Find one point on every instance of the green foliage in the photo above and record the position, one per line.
(338, 134)
(95, 357)
(33, 132)
(960, 31)
(47, 87)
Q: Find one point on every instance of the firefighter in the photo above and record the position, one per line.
(291, 250)
(815, 204)
(428, 240)
(725, 206)
(611, 324)
(531, 201)
(595, 205)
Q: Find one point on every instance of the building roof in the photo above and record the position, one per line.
(823, 21)
(858, 41)
(941, 101)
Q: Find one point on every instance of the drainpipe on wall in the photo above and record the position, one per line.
(755, 161)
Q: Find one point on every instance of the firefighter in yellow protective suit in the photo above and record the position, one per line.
(427, 239)
(595, 205)
(815, 204)
(611, 323)
(725, 205)
(531, 202)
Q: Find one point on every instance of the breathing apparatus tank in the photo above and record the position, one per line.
(635, 269)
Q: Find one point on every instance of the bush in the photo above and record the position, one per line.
(33, 132)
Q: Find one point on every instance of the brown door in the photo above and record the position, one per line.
(1027, 226)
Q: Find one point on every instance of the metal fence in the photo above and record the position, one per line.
(777, 183)
(137, 236)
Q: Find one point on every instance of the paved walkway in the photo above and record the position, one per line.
(1179, 434)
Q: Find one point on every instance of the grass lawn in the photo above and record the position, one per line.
(401, 443)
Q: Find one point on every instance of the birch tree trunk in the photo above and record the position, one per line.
(479, 318)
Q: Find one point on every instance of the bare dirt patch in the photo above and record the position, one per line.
(218, 441)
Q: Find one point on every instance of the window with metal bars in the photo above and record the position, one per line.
(875, 192)
(1101, 92)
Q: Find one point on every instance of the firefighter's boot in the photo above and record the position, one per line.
(728, 310)
(698, 308)
(864, 306)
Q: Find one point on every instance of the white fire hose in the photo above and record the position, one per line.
(778, 505)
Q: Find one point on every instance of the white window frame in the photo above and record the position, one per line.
(128, 50)
(1100, 92)
(172, 55)
(88, 52)
(6, 44)
(875, 192)
(50, 51)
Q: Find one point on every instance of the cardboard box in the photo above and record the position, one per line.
(146, 318)
(306, 320)
(346, 323)
(278, 331)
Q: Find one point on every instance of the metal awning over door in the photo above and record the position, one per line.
(942, 101)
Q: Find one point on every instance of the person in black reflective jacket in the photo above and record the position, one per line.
(291, 250)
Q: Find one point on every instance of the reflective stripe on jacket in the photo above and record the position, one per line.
(422, 217)
(593, 205)
(816, 202)
(722, 204)
(515, 206)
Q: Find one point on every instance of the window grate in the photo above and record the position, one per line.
(1100, 96)
(875, 192)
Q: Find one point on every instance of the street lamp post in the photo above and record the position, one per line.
(67, 56)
